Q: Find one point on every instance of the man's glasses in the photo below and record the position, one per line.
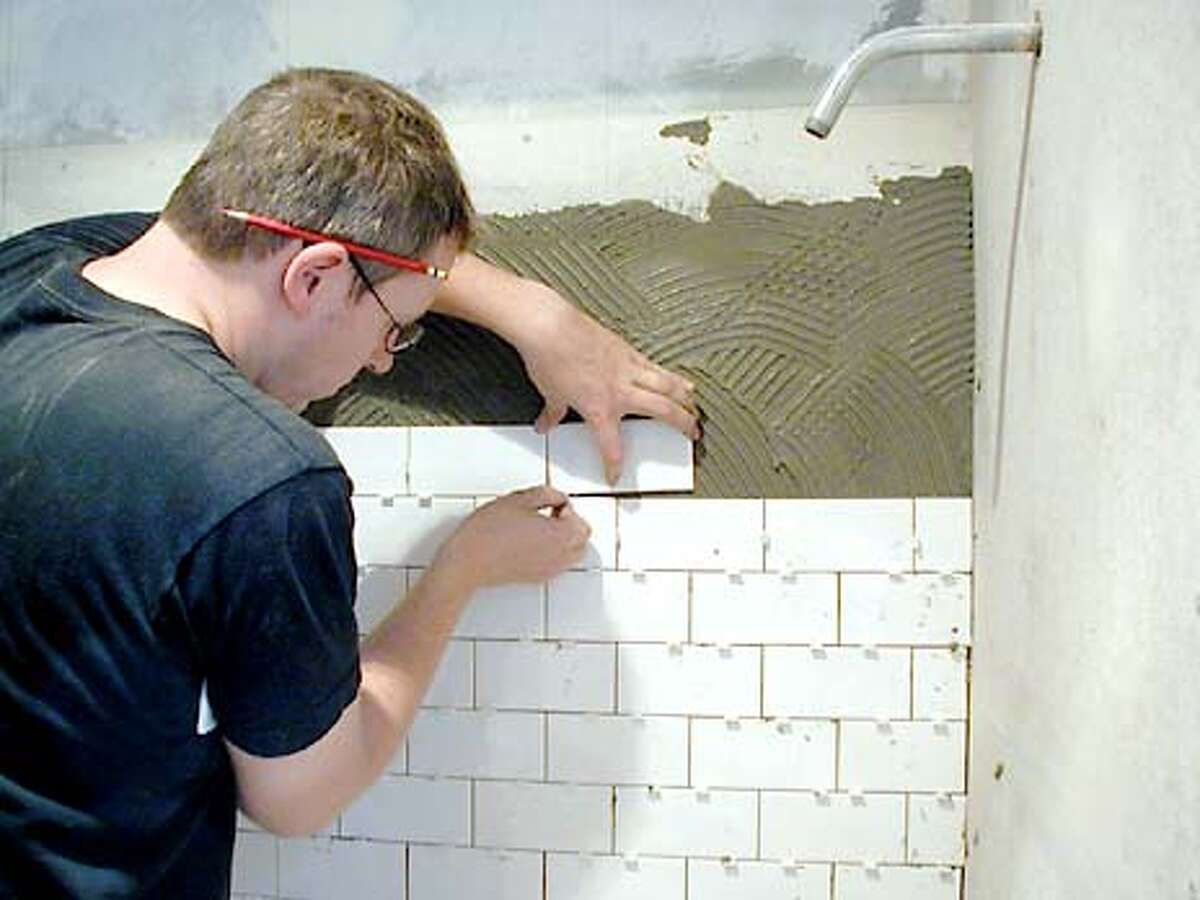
(400, 337)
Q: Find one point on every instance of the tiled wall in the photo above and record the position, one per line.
(729, 699)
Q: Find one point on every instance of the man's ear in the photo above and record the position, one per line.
(317, 271)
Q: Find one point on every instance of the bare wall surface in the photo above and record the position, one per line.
(1086, 688)
(831, 344)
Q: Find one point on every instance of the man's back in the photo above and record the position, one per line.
(137, 468)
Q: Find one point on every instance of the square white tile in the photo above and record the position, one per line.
(585, 877)
(710, 879)
(811, 827)
(686, 822)
(840, 535)
(896, 883)
(593, 749)
(688, 680)
(688, 533)
(751, 753)
(255, 863)
(380, 589)
(505, 611)
(936, 824)
(476, 744)
(475, 459)
(411, 809)
(906, 609)
(329, 868)
(618, 606)
(456, 873)
(903, 756)
(523, 815)
(656, 457)
(939, 684)
(836, 682)
(404, 531)
(601, 515)
(764, 608)
(550, 675)
(453, 683)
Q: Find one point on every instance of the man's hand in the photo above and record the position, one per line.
(528, 536)
(574, 361)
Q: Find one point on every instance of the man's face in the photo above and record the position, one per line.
(347, 332)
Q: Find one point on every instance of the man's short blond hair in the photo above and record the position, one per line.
(331, 151)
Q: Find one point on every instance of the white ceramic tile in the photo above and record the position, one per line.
(476, 744)
(376, 459)
(832, 682)
(475, 459)
(832, 827)
(524, 815)
(452, 683)
(406, 531)
(545, 675)
(656, 458)
(898, 756)
(714, 880)
(939, 684)
(935, 828)
(686, 533)
(601, 515)
(839, 535)
(618, 606)
(944, 534)
(380, 588)
(618, 749)
(764, 608)
(906, 609)
(435, 811)
(895, 883)
(751, 753)
(331, 868)
(686, 822)
(688, 679)
(505, 611)
(255, 863)
(459, 873)
(398, 764)
(586, 877)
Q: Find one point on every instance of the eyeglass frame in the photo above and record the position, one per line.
(400, 336)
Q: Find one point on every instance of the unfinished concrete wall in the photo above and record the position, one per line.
(1085, 717)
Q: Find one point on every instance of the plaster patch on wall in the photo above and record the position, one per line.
(832, 344)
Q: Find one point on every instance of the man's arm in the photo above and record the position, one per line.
(509, 540)
(572, 359)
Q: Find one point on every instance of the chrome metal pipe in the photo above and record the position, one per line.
(981, 38)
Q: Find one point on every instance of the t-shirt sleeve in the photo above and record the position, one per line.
(273, 586)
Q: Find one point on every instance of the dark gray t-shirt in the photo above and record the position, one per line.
(176, 568)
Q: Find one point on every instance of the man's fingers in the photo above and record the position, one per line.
(540, 497)
(648, 403)
(607, 433)
(552, 413)
(658, 380)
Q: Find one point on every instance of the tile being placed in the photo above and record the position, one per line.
(839, 535)
(537, 675)
(939, 684)
(751, 753)
(476, 744)
(593, 749)
(710, 879)
(906, 609)
(376, 459)
(687, 533)
(895, 883)
(764, 608)
(812, 827)
(475, 459)
(618, 606)
(455, 873)
(903, 756)
(524, 815)
(944, 534)
(322, 868)
(688, 680)
(686, 821)
(435, 811)
(656, 457)
(585, 877)
(935, 828)
(404, 531)
(836, 682)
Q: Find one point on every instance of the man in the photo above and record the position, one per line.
(176, 569)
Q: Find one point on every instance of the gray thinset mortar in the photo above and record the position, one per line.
(832, 344)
